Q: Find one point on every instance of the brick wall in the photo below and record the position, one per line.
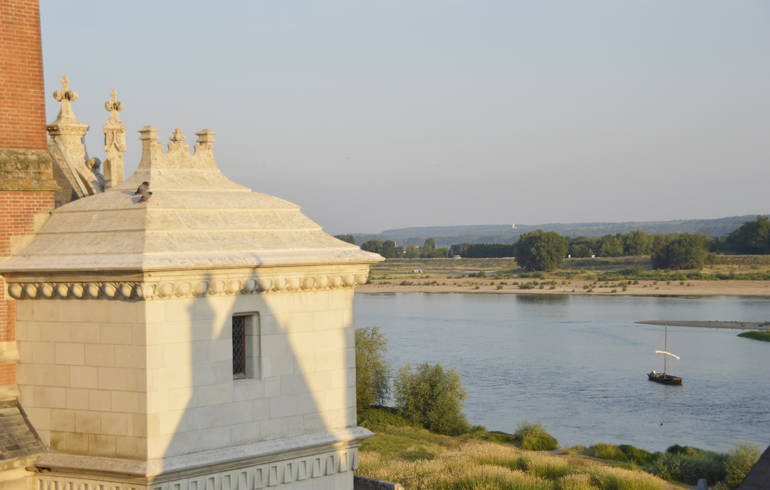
(22, 103)
(17, 216)
(26, 181)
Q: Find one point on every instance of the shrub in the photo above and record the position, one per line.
(372, 370)
(624, 452)
(534, 437)
(605, 451)
(433, 397)
(376, 417)
(688, 464)
(740, 459)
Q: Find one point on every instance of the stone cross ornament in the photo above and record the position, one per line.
(65, 96)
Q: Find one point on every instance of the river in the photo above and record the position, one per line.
(578, 364)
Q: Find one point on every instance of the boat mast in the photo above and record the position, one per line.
(665, 358)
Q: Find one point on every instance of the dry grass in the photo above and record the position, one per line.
(474, 464)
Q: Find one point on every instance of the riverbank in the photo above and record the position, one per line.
(761, 326)
(443, 284)
(732, 276)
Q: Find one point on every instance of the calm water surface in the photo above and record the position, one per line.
(578, 364)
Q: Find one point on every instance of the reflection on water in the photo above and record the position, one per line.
(578, 364)
(543, 298)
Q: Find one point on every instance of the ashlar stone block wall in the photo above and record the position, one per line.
(154, 379)
(305, 381)
(82, 374)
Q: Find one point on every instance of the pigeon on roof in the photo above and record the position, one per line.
(144, 191)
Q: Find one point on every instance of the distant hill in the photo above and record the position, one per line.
(450, 235)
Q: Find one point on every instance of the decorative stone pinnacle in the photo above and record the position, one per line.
(113, 105)
(177, 137)
(177, 142)
(114, 142)
(148, 133)
(205, 140)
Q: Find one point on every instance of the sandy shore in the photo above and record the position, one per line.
(544, 286)
(709, 324)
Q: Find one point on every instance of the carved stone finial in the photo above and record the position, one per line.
(114, 143)
(205, 140)
(113, 105)
(177, 142)
(65, 96)
(177, 137)
(65, 93)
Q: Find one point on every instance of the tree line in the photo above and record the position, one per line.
(539, 250)
(389, 249)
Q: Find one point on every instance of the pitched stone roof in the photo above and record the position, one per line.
(196, 219)
(17, 437)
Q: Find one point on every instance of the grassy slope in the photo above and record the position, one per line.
(419, 459)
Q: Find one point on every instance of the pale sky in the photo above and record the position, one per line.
(384, 114)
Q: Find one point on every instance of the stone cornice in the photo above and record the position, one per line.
(185, 286)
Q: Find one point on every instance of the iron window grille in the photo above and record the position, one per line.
(239, 347)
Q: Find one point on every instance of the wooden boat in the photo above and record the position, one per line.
(664, 377)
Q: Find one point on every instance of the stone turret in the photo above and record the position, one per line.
(181, 329)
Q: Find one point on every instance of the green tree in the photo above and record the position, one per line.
(740, 459)
(373, 246)
(432, 397)
(346, 238)
(540, 251)
(610, 246)
(428, 247)
(388, 249)
(753, 237)
(442, 252)
(372, 369)
(583, 246)
(683, 251)
(637, 243)
(412, 251)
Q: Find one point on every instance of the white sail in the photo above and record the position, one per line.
(667, 353)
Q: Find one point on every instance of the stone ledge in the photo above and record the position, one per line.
(225, 459)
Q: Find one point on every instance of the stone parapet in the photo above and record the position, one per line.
(26, 170)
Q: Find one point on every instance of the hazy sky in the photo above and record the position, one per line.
(383, 114)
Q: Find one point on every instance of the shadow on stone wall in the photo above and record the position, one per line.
(286, 406)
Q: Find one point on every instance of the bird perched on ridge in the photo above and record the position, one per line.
(144, 191)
